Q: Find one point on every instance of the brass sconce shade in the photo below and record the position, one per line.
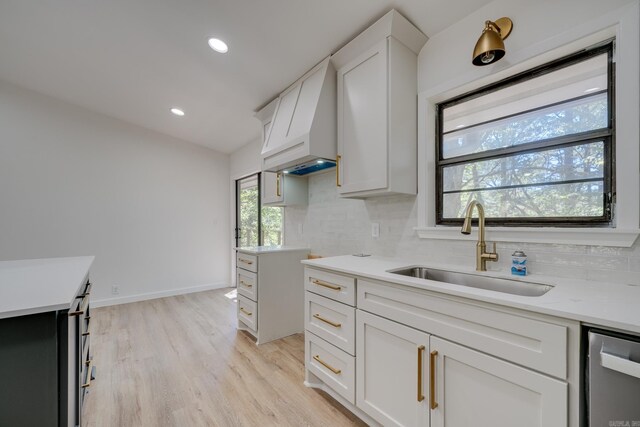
(490, 45)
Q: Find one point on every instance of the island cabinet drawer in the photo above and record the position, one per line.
(331, 320)
(534, 343)
(247, 283)
(248, 312)
(333, 366)
(247, 262)
(334, 286)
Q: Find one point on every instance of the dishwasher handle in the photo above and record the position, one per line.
(619, 364)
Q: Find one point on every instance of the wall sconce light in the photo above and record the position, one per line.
(490, 45)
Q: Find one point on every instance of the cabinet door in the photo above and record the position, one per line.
(272, 188)
(474, 389)
(391, 379)
(362, 122)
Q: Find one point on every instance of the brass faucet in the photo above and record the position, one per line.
(482, 256)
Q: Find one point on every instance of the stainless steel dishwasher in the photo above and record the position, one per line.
(613, 380)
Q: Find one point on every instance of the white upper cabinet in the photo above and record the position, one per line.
(303, 126)
(279, 189)
(377, 109)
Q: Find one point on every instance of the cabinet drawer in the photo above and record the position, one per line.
(331, 320)
(247, 283)
(248, 312)
(247, 262)
(334, 286)
(533, 343)
(332, 365)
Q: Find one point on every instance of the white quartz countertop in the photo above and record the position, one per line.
(40, 285)
(257, 250)
(605, 304)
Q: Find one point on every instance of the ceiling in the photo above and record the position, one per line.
(136, 59)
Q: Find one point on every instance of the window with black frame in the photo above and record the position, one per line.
(534, 149)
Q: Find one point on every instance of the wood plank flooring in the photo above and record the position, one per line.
(180, 361)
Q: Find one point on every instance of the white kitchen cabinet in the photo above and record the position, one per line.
(493, 365)
(377, 110)
(391, 371)
(474, 389)
(270, 295)
(279, 189)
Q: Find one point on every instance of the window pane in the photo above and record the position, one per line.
(558, 164)
(572, 117)
(570, 82)
(547, 201)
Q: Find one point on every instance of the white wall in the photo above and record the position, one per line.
(335, 226)
(152, 209)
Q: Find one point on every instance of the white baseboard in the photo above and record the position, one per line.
(153, 295)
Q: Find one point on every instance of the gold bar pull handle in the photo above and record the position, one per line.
(338, 158)
(248, 313)
(246, 261)
(334, 324)
(88, 383)
(326, 285)
(248, 285)
(420, 360)
(326, 365)
(432, 379)
(278, 178)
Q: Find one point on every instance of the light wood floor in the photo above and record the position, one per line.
(179, 361)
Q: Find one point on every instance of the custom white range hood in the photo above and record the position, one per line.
(302, 137)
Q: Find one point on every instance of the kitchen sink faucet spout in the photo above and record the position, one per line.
(482, 256)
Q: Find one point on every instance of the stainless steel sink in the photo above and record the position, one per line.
(515, 287)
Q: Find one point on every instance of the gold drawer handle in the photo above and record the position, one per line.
(432, 379)
(88, 383)
(246, 261)
(242, 282)
(334, 324)
(338, 158)
(326, 365)
(248, 313)
(420, 357)
(326, 285)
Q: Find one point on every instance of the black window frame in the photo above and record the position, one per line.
(607, 135)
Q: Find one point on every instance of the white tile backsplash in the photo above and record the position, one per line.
(336, 226)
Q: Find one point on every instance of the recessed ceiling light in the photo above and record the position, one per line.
(460, 126)
(177, 111)
(320, 162)
(218, 45)
(593, 89)
(285, 171)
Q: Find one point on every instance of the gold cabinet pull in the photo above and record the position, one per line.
(432, 379)
(248, 285)
(338, 158)
(334, 324)
(326, 365)
(420, 357)
(88, 383)
(278, 178)
(326, 285)
(248, 313)
(246, 261)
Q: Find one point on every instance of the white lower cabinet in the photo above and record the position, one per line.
(426, 359)
(391, 371)
(474, 389)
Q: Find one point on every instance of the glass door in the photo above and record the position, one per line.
(256, 225)
(248, 211)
